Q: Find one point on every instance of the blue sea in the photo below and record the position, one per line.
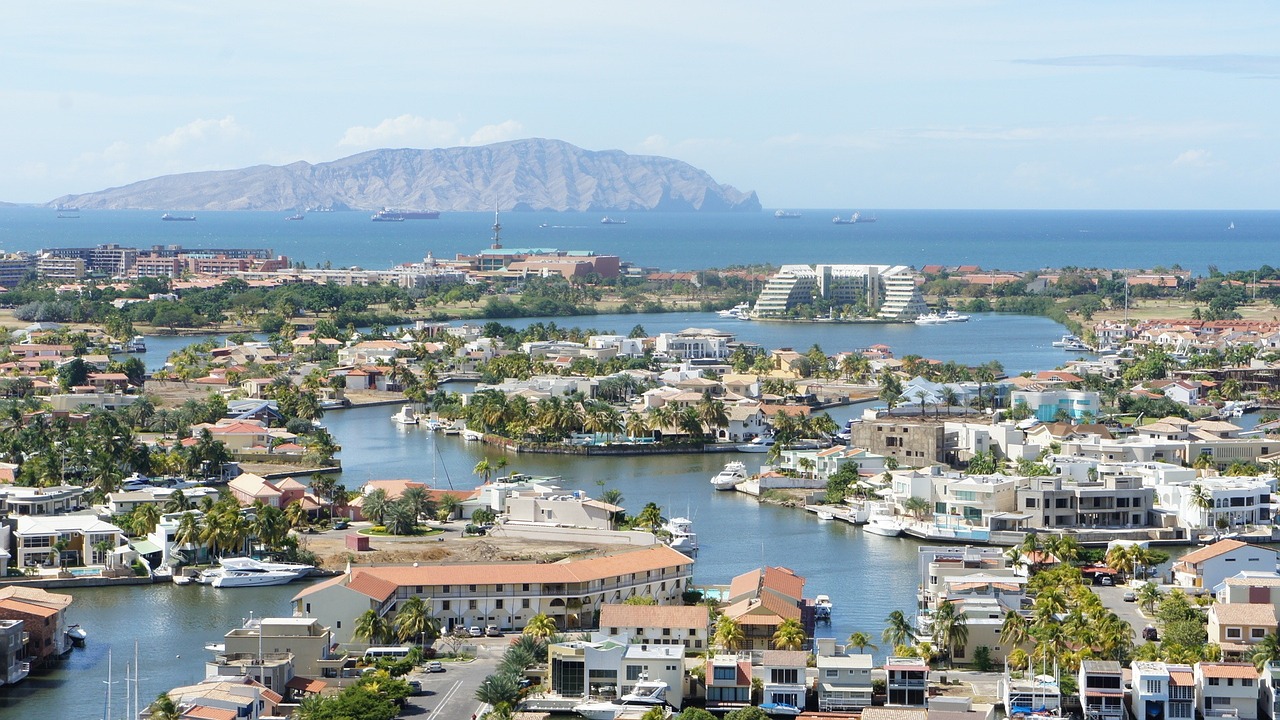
(993, 239)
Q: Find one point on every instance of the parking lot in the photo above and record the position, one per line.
(450, 695)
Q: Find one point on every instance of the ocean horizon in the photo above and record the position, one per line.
(992, 239)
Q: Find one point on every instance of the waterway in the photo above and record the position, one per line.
(867, 576)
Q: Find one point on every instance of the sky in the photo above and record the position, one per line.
(858, 105)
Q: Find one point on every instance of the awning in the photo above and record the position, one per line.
(146, 547)
(306, 685)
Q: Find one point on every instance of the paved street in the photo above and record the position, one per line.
(450, 695)
(1113, 600)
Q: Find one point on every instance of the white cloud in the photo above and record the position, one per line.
(196, 132)
(416, 131)
(501, 132)
(1194, 158)
(406, 130)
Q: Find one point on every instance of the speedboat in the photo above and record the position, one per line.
(882, 523)
(822, 607)
(951, 316)
(247, 572)
(732, 474)
(433, 425)
(1065, 341)
(683, 538)
(606, 220)
(780, 709)
(825, 515)
(472, 435)
(406, 416)
(77, 635)
(760, 444)
(180, 579)
(646, 695)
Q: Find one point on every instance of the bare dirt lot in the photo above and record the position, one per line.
(449, 546)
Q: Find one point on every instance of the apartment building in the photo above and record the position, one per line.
(889, 291)
(913, 444)
(503, 594)
(685, 625)
(310, 644)
(1056, 404)
(13, 651)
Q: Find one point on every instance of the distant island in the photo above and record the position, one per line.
(531, 175)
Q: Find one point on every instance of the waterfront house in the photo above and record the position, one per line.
(688, 626)
(913, 444)
(844, 682)
(1048, 405)
(310, 643)
(1227, 690)
(13, 651)
(1238, 500)
(584, 668)
(502, 594)
(974, 498)
(907, 681)
(1210, 566)
(1163, 691)
(43, 616)
(760, 600)
(572, 509)
(694, 344)
(1029, 693)
(246, 699)
(783, 675)
(1101, 684)
(728, 678)
(61, 540)
(1237, 627)
(1112, 501)
(20, 500)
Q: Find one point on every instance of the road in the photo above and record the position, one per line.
(1113, 600)
(450, 695)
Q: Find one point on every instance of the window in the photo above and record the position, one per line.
(831, 673)
(471, 588)
(445, 589)
(471, 604)
(633, 672)
(497, 604)
(1213, 681)
(1257, 633)
(1233, 633)
(728, 672)
(613, 631)
(524, 587)
(524, 604)
(498, 588)
(666, 632)
(1153, 687)
(1031, 502)
(444, 605)
(790, 676)
(1247, 682)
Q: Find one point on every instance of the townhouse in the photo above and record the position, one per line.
(844, 682)
(571, 593)
(612, 666)
(61, 540)
(688, 626)
(1163, 691)
(761, 600)
(1227, 690)
(1209, 566)
(1237, 627)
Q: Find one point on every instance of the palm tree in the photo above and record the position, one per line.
(499, 690)
(400, 518)
(1202, 499)
(898, 630)
(145, 518)
(637, 425)
(860, 641)
(417, 500)
(189, 531)
(540, 626)
(917, 506)
(414, 621)
(650, 517)
(950, 628)
(371, 626)
(1015, 630)
(1148, 596)
(1267, 651)
(376, 505)
(164, 708)
(789, 635)
(483, 468)
(1120, 557)
(728, 634)
(295, 515)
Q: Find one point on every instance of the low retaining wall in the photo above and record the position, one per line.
(636, 538)
(518, 446)
(80, 582)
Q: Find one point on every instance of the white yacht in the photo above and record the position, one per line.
(760, 444)
(822, 607)
(138, 344)
(929, 319)
(683, 538)
(472, 435)
(406, 416)
(732, 474)
(247, 572)
(647, 694)
(740, 311)
(883, 522)
(953, 316)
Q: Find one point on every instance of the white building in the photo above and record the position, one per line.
(887, 290)
(1208, 567)
(1162, 690)
(694, 344)
(1050, 405)
(1227, 690)
(87, 539)
(844, 682)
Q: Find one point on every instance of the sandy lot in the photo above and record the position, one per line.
(450, 546)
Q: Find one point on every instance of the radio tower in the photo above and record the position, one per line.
(497, 232)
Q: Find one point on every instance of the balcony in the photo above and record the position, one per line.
(16, 672)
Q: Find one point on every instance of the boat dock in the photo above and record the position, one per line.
(852, 518)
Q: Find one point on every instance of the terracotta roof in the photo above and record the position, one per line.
(393, 488)
(655, 616)
(1183, 678)
(306, 685)
(381, 582)
(204, 712)
(28, 608)
(785, 658)
(746, 583)
(1254, 614)
(1213, 551)
(35, 595)
(785, 581)
(1238, 671)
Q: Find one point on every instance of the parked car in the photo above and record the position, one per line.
(435, 666)
(1149, 634)
(415, 687)
(340, 524)
(1106, 580)
(475, 631)
(1130, 596)
(493, 631)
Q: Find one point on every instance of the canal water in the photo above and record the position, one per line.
(867, 576)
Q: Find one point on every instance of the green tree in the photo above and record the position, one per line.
(790, 635)
(371, 626)
(860, 641)
(540, 626)
(898, 630)
(728, 634)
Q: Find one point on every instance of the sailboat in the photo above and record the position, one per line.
(1231, 225)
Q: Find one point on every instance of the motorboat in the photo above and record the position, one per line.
(786, 215)
(472, 435)
(138, 344)
(180, 579)
(732, 474)
(739, 312)
(822, 607)
(781, 709)
(683, 539)
(826, 516)
(1065, 340)
(77, 635)
(760, 444)
(881, 522)
(646, 695)
(406, 416)
(606, 220)
(928, 319)
(433, 425)
(933, 318)
(952, 316)
(247, 572)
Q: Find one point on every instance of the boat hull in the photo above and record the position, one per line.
(883, 529)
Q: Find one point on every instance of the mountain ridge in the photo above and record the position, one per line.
(530, 174)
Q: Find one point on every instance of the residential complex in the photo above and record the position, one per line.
(885, 291)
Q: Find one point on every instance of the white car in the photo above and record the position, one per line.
(475, 631)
